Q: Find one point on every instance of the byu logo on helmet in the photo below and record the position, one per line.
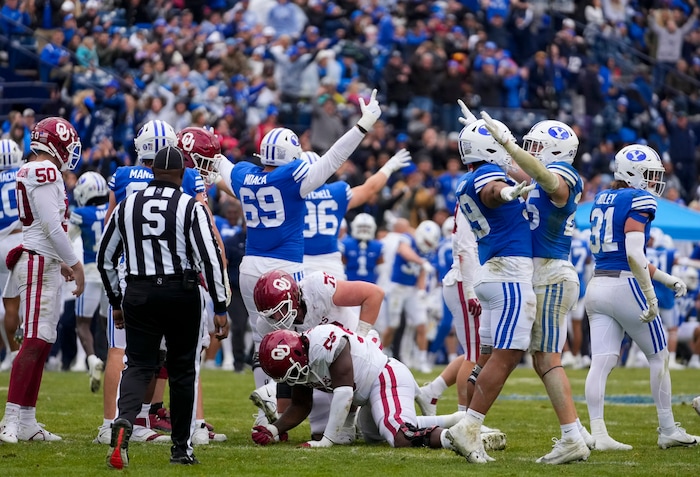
(558, 132)
(636, 155)
(483, 131)
(280, 352)
(294, 140)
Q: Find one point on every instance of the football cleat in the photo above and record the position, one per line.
(160, 420)
(203, 436)
(36, 432)
(696, 405)
(493, 441)
(118, 456)
(607, 443)
(265, 398)
(179, 456)
(8, 432)
(677, 438)
(564, 451)
(427, 402)
(104, 435)
(95, 368)
(466, 441)
(587, 437)
(142, 433)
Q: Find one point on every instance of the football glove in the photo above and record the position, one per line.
(651, 312)
(467, 116)
(513, 192)
(267, 434)
(370, 112)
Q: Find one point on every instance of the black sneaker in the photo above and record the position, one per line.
(179, 456)
(118, 456)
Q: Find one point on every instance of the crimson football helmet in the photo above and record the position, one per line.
(277, 298)
(59, 139)
(202, 151)
(284, 357)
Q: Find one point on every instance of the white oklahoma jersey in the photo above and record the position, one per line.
(317, 290)
(325, 344)
(43, 211)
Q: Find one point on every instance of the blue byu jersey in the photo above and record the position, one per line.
(446, 186)
(686, 306)
(272, 202)
(552, 226)
(91, 220)
(611, 209)
(444, 257)
(325, 209)
(500, 232)
(578, 256)
(9, 215)
(405, 272)
(129, 179)
(225, 229)
(361, 261)
(663, 259)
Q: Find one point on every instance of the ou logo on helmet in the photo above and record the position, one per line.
(62, 131)
(636, 155)
(280, 352)
(282, 284)
(187, 141)
(558, 132)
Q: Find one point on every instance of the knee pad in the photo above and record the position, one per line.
(485, 349)
(418, 437)
(284, 391)
(474, 374)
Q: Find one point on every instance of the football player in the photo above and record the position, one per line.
(548, 151)
(360, 250)
(688, 306)
(272, 197)
(326, 207)
(503, 283)
(10, 237)
(620, 296)
(407, 292)
(87, 221)
(580, 257)
(357, 373)
(41, 264)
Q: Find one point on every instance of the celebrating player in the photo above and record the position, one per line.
(620, 296)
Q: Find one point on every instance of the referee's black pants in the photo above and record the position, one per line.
(151, 311)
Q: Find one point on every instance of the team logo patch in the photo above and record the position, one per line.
(294, 140)
(483, 131)
(636, 155)
(558, 132)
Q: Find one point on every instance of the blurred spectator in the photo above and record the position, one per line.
(109, 116)
(13, 15)
(451, 88)
(55, 61)
(594, 13)
(90, 17)
(287, 18)
(86, 54)
(16, 133)
(398, 89)
(669, 40)
(326, 123)
(682, 144)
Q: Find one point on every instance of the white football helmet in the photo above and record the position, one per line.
(152, 137)
(280, 146)
(428, 235)
(10, 154)
(363, 227)
(689, 275)
(551, 141)
(476, 144)
(640, 167)
(90, 185)
(310, 157)
(448, 226)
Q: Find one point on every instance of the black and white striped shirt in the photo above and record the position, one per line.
(161, 232)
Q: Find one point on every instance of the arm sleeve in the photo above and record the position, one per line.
(634, 245)
(225, 170)
(208, 256)
(464, 244)
(110, 249)
(340, 407)
(52, 222)
(321, 170)
(534, 168)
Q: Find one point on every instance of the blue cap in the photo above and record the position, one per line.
(402, 137)
(292, 51)
(272, 109)
(409, 169)
(237, 78)
(160, 22)
(228, 110)
(168, 41)
(458, 29)
(355, 15)
(490, 62)
(98, 29)
(113, 83)
(70, 16)
(490, 45)
(313, 30)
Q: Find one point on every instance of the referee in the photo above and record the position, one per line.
(167, 240)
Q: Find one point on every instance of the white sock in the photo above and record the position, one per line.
(11, 412)
(461, 407)
(227, 350)
(578, 424)
(671, 356)
(107, 422)
(570, 432)
(437, 386)
(27, 415)
(198, 423)
(145, 407)
(474, 416)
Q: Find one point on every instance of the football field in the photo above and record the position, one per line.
(68, 408)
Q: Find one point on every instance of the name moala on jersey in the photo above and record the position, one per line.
(320, 194)
(140, 174)
(252, 179)
(605, 199)
(8, 176)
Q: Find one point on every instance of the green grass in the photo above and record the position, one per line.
(70, 410)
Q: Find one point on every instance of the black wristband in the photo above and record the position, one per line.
(362, 130)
